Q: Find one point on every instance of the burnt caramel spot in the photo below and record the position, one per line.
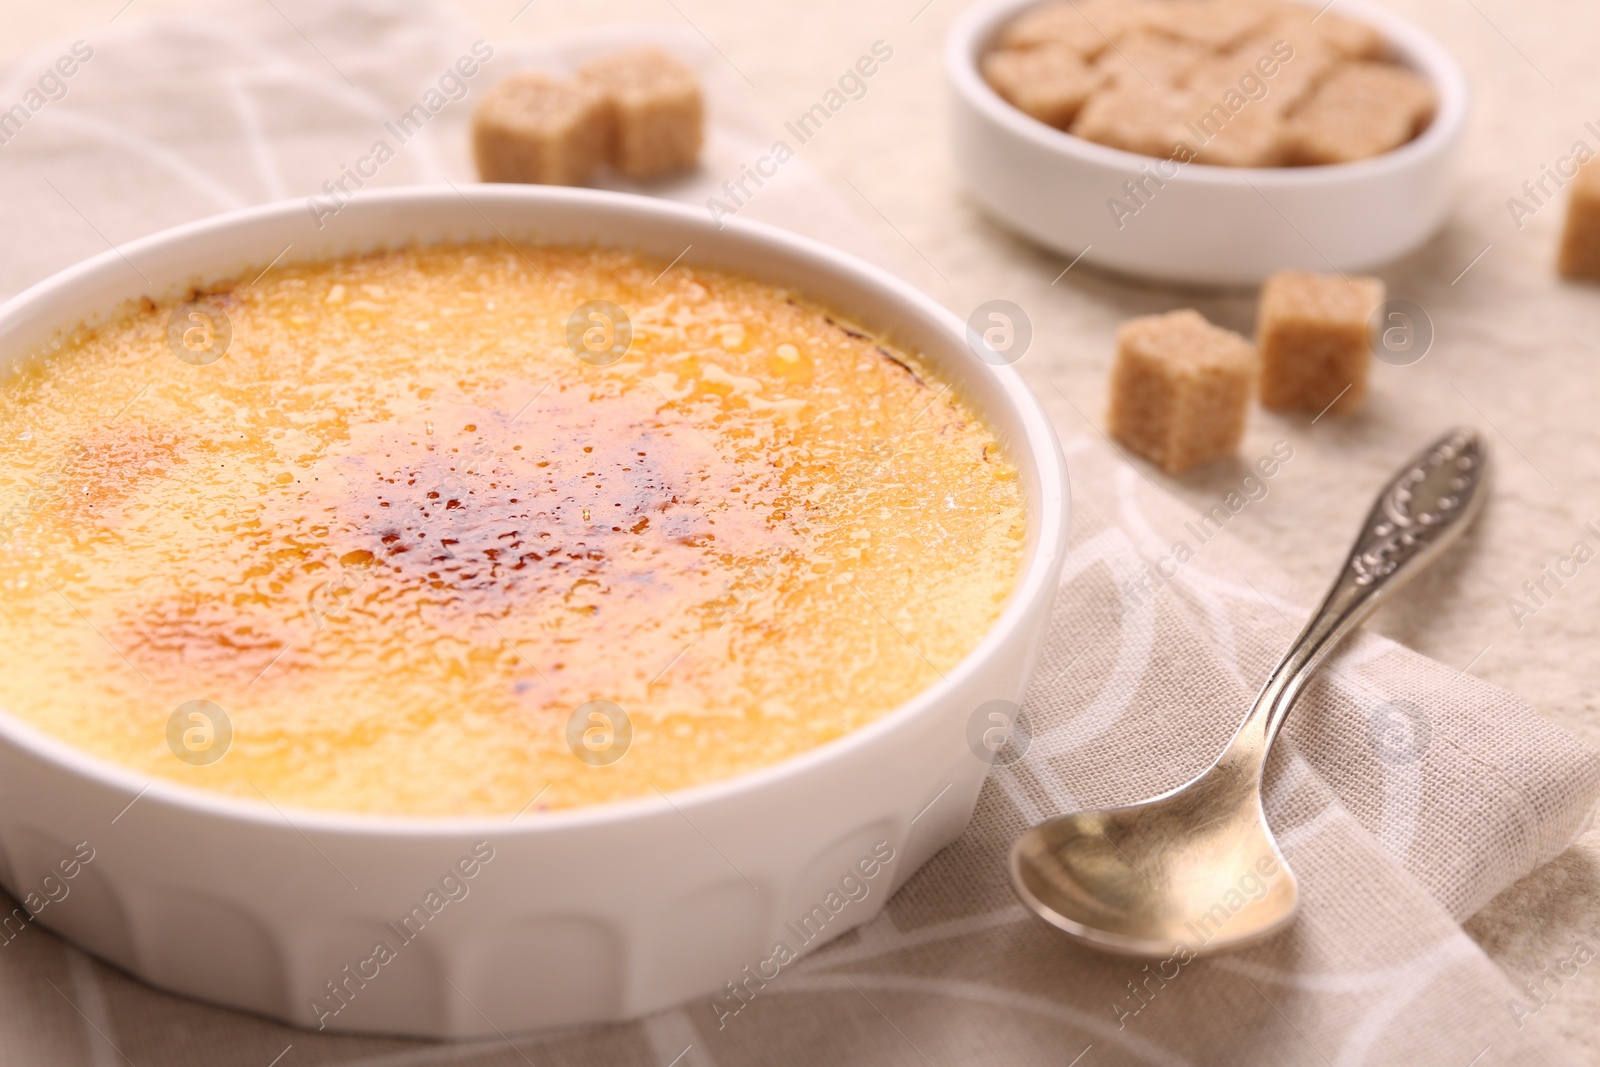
(902, 364)
(578, 503)
(91, 480)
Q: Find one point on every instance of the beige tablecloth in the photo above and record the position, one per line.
(1407, 793)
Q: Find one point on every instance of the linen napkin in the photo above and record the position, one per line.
(1405, 793)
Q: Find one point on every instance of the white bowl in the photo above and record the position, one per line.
(1205, 225)
(585, 915)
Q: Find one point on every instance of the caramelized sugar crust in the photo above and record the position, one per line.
(399, 532)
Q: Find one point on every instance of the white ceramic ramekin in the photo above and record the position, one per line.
(585, 915)
(1203, 225)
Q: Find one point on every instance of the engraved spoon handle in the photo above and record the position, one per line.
(1419, 514)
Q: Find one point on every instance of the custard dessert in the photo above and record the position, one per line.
(485, 530)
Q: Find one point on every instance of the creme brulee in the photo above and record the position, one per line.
(399, 533)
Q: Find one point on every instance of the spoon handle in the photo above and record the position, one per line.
(1419, 514)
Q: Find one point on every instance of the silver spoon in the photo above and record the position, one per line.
(1198, 866)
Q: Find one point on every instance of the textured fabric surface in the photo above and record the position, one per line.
(1399, 823)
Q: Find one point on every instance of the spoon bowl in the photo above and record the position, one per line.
(1197, 868)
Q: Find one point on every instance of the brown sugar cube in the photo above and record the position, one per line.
(1347, 38)
(1234, 122)
(658, 111)
(1299, 76)
(1050, 83)
(1252, 136)
(1312, 332)
(1087, 27)
(1136, 116)
(1180, 389)
(1271, 72)
(533, 127)
(1580, 243)
(1149, 57)
(1360, 110)
(1215, 25)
